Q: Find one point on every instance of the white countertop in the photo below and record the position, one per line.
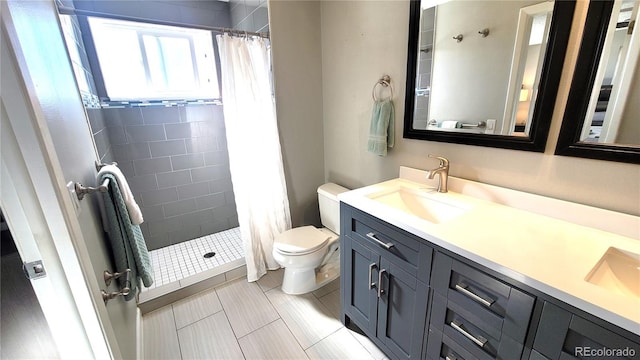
(551, 255)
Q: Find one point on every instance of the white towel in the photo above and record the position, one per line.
(132, 207)
(450, 124)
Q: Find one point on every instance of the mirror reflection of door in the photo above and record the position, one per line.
(610, 116)
(526, 67)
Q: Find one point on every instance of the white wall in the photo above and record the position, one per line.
(360, 41)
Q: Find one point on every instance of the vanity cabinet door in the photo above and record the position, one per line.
(563, 335)
(359, 284)
(401, 310)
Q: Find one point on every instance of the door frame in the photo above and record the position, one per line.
(40, 212)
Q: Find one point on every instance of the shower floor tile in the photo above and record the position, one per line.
(176, 262)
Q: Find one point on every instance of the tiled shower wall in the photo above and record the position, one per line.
(176, 161)
(249, 15)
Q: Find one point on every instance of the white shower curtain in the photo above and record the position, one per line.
(255, 158)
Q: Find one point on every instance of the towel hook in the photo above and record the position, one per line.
(384, 81)
(458, 38)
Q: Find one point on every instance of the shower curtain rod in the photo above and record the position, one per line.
(64, 10)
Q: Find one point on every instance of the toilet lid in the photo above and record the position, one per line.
(301, 240)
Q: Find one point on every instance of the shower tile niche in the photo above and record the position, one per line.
(176, 161)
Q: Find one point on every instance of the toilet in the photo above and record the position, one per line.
(309, 255)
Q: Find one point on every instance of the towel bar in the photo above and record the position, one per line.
(479, 124)
(82, 190)
(108, 276)
(99, 165)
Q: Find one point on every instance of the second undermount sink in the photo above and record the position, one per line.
(617, 271)
(419, 203)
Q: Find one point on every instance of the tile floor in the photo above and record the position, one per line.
(179, 261)
(242, 320)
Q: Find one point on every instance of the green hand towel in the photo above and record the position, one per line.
(127, 242)
(381, 131)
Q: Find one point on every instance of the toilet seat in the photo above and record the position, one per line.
(300, 241)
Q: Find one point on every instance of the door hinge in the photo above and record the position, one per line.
(34, 270)
(632, 25)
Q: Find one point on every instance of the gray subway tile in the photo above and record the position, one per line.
(142, 133)
(126, 167)
(133, 151)
(213, 227)
(184, 235)
(157, 242)
(216, 158)
(160, 115)
(167, 148)
(152, 213)
(229, 197)
(193, 190)
(157, 197)
(211, 201)
(181, 162)
(174, 178)
(202, 144)
(196, 218)
(96, 120)
(199, 112)
(233, 222)
(209, 173)
(179, 207)
(225, 212)
(164, 226)
(210, 128)
(101, 139)
(152, 166)
(116, 135)
(221, 185)
(180, 131)
(123, 116)
(142, 183)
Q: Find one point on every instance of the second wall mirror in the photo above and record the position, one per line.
(485, 72)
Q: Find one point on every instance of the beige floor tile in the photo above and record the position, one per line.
(369, 345)
(209, 338)
(339, 345)
(246, 306)
(273, 341)
(306, 317)
(332, 302)
(330, 287)
(272, 279)
(160, 336)
(196, 307)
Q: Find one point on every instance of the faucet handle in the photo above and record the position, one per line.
(443, 161)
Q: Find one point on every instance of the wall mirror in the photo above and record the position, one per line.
(602, 117)
(485, 72)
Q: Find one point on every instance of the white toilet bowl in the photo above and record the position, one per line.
(304, 252)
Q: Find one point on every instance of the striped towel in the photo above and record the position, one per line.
(127, 242)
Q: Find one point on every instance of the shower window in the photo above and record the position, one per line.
(141, 61)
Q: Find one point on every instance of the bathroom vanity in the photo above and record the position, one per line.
(427, 275)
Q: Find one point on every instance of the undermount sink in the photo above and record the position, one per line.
(617, 271)
(418, 203)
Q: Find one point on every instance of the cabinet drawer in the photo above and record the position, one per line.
(499, 306)
(401, 248)
(442, 347)
(471, 331)
(563, 335)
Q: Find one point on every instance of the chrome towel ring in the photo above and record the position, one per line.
(385, 81)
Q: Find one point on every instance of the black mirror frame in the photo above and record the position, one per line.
(548, 89)
(569, 144)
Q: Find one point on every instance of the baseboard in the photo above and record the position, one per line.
(139, 335)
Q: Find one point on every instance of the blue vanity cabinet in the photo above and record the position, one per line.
(384, 282)
(564, 335)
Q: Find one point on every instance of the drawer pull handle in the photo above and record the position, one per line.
(380, 289)
(450, 357)
(463, 289)
(371, 283)
(373, 237)
(480, 341)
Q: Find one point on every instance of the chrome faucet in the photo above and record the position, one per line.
(442, 171)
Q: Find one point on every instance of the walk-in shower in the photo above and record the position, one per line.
(173, 152)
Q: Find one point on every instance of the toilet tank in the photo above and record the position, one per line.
(330, 205)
